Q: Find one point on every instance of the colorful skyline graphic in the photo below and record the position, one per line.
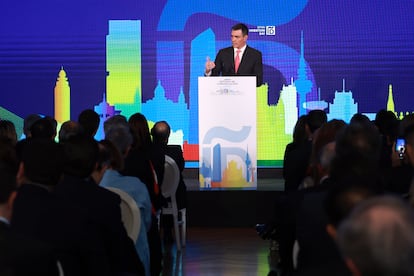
(149, 58)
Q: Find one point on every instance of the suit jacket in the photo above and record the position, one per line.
(102, 207)
(251, 64)
(38, 214)
(318, 253)
(20, 255)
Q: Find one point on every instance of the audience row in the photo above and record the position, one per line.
(56, 215)
(347, 208)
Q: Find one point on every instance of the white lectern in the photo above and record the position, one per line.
(227, 132)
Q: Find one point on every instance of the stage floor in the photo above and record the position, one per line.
(269, 179)
(232, 208)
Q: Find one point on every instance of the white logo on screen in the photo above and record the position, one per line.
(270, 30)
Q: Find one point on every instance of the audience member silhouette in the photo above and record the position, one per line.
(116, 146)
(44, 128)
(19, 255)
(8, 131)
(101, 206)
(160, 134)
(139, 161)
(89, 121)
(147, 163)
(315, 246)
(39, 214)
(115, 120)
(28, 122)
(69, 129)
(377, 237)
(296, 162)
(409, 150)
(322, 152)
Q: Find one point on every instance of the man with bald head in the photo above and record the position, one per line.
(377, 238)
(160, 134)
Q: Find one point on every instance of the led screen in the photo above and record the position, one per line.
(60, 57)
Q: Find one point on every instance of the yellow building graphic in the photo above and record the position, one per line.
(62, 98)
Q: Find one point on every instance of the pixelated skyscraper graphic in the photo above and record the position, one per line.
(123, 63)
(303, 84)
(161, 108)
(105, 111)
(343, 106)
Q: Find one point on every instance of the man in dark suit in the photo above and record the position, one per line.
(102, 207)
(19, 255)
(239, 59)
(160, 133)
(38, 214)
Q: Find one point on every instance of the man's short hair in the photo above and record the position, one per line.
(242, 27)
(44, 128)
(89, 120)
(28, 122)
(120, 136)
(115, 121)
(81, 155)
(43, 161)
(315, 119)
(378, 237)
(69, 129)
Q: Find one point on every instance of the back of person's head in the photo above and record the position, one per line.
(357, 152)
(315, 119)
(359, 118)
(405, 123)
(44, 128)
(242, 27)
(387, 122)
(8, 131)
(409, 140)
(81, 155)
(378, 237)
(140, 131)
(160, 132)
(42, 160)
(115, 121)
(323, 149)
(69, 129)
(120, 135)
(300, 134)
(326, 134)
(110, 156)
(28, 122)
(343, 196)
(89, 120)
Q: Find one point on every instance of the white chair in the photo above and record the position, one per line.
(131, 215)
(168, 189)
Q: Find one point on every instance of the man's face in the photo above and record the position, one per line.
(237, 39)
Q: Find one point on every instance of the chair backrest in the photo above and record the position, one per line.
(131, 215)
(171, 177)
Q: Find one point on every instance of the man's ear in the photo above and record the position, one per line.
(352, 267)
(20, 174)
(11, 199)
(331, 231)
